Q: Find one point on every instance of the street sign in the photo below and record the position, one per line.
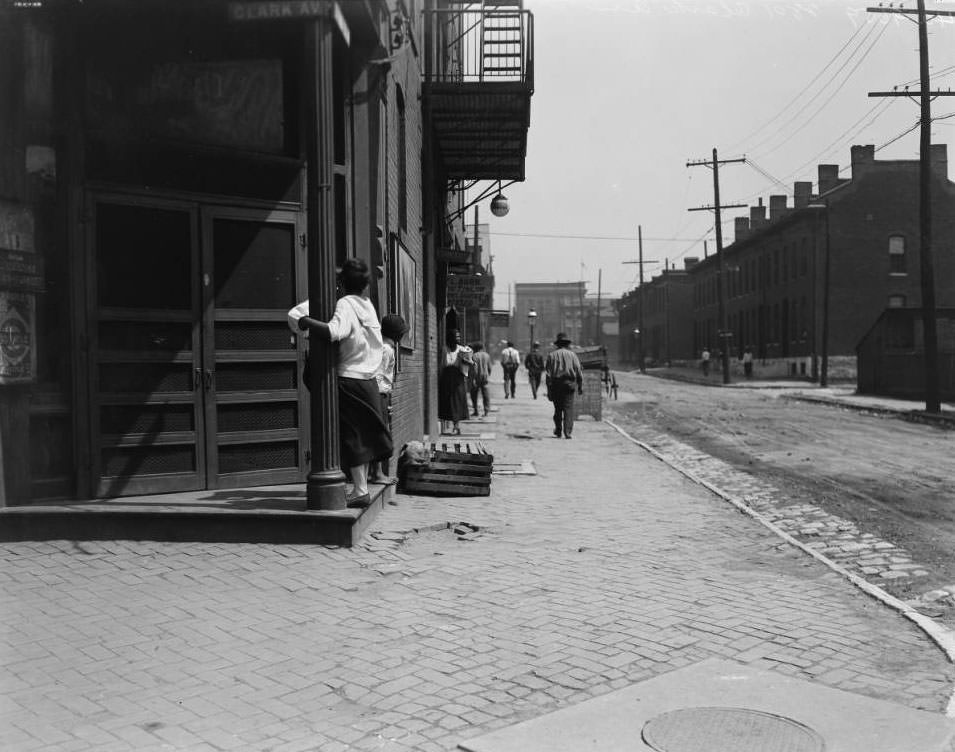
(278, 9)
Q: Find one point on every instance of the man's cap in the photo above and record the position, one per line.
(562, 339)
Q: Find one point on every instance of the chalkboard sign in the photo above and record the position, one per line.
(469, 290)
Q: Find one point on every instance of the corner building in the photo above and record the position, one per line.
(174, 176)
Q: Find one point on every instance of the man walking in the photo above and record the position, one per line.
(510, 361)
(534, 363)
(480, 374)
(564, 378)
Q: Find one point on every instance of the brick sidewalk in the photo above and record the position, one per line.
(604, 569)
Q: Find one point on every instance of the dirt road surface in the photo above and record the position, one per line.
(893, 478)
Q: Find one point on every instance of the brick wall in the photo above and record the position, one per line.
(412, 386)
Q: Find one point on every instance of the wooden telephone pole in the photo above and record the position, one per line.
(724, 334)
(926, 262)
(640, 332)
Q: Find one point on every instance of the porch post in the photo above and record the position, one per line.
(325, 487)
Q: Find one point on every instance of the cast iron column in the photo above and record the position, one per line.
(325, 486)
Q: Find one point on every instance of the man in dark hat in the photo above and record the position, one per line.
(564, 378)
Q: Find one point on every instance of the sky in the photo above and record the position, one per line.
(628, 91)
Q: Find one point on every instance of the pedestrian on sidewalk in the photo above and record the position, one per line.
(452, 385)
(534, 363)
(479, 376)
(564, 379)
(363, 434)
(393, 328)
(705, 361)
(748, 362)
(510, 362)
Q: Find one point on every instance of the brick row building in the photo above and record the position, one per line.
(867, 223)
(175, 175)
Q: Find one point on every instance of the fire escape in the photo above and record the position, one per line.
(479, 77)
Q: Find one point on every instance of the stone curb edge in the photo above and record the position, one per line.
(913, 416)
(942, 637)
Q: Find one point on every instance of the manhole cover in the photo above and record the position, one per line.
(728, 730)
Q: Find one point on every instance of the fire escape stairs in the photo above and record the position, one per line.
(479, 87)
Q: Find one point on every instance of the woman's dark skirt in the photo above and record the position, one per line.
(363, 431)
(452, 395)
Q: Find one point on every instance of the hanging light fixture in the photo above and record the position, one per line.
(499, 205)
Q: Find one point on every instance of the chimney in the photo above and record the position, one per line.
(690, 261)
(802, 194)
(742, 228)
(828, 177)
(939, 158)
(777, 207)
(757, 215)
(862, 159)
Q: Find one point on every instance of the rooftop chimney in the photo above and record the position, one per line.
(862, 158)
(939, 157)
(757, 215)
(828, 177)
(802, 194)
(777, 207)
(741, 227)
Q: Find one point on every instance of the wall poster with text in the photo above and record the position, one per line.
(17, 337)
(407, 293)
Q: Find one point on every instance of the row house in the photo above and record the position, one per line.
(175, 175)
(865, 225)
(659, 328)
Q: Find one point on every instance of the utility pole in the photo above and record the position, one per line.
(640, 332)
(579, 336)
(927, 277)
(724, 334)
(599, 329)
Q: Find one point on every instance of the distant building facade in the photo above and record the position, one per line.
(774, 271)
(559, 306)
(667, 333)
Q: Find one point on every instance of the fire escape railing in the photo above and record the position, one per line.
(485, 45)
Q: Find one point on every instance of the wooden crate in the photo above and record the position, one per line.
(452, 470)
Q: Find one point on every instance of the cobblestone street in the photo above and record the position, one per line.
(603, 569)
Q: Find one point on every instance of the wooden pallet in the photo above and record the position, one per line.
(457, 469)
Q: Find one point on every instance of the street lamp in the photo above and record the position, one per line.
(824, 368)
(531, 320)
(639, 342)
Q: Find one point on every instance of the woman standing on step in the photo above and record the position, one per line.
(453, 385)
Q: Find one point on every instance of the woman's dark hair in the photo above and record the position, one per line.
(477, 346)
(393, 327)
(354, 276)
(452, 339)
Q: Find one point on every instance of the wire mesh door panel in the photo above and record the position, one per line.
(146, 402)
(255, 433)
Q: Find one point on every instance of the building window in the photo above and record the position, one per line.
(402, 161)
(896, 301)
(897, 254)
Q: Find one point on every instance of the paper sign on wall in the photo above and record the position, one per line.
(17, 337)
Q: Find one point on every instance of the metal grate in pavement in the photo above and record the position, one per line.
(728, 730)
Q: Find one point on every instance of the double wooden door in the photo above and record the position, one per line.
(194, 374)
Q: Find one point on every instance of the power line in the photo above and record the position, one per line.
(803, 91)
(841, 139)
(584, 237)
(822, 106)
(832, 79)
